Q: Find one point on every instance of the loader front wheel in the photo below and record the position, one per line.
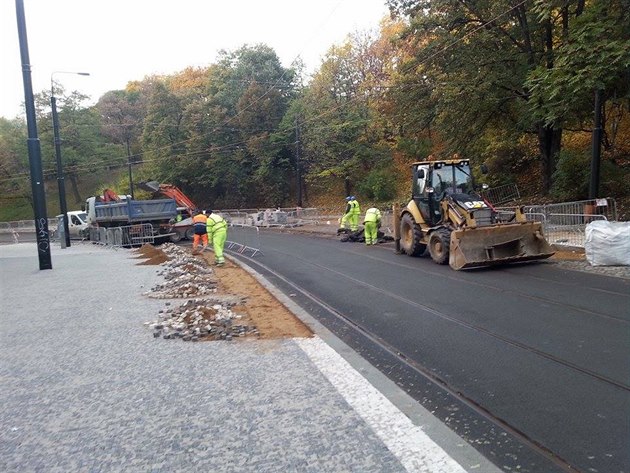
(439, 246)
(411, 237)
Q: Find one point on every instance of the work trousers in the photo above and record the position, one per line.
(218, 242)
(353, 218)
(343, 223)
(371, 233)
(197, 238)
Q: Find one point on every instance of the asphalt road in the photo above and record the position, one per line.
(528, 363)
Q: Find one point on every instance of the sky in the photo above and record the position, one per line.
(117, 41)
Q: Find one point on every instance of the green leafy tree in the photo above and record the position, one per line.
(477, 66)
(248, 94)
(121, 114)
(343, 139)
(83, 147)
(14, 168)
(594, 54)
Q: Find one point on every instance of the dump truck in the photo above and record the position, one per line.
(111, 210)
(448, 217)
(182, 228)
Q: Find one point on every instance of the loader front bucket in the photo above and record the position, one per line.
(500, 244)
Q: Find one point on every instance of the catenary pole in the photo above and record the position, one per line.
(593, 189)
(63, 207)
(298, 171)
(34, 149)
(61, 182)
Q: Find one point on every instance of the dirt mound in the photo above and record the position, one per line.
(152, 254)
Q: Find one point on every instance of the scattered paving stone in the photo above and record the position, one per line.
(205, 318)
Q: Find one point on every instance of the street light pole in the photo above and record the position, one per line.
(34, 150)
(60, 177)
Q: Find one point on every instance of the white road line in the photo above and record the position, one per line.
(415, 450)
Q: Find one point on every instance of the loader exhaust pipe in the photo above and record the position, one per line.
(511, 243)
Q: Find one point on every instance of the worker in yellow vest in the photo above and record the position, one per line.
(355, 213)
(351, 215)
(372, 222)
(216, 227)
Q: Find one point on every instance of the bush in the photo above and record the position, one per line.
(379, 185)
(571, 179)
(573, 174)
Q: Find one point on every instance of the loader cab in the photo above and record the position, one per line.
(435, 180)
(421, 192)
(452, 179)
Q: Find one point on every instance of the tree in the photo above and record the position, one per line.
(121, 116)
(342, 136)
(479, 63)
(14, 176)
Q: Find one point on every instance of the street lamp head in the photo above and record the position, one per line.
(52, 84)
(70, 72)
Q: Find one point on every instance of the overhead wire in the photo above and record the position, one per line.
(223, 125)
(311, 119)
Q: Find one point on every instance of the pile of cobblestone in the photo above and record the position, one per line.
(206, 318)
(185, 276)
(198, 319)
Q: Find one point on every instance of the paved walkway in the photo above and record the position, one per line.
(84, 387)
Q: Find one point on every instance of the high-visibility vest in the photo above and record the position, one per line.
(215, 222)
(199, 224)
(372, 215)
(354, 207)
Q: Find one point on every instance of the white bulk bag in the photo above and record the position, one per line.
(608, 243)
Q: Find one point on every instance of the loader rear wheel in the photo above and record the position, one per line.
(439, 246)
(411, 237)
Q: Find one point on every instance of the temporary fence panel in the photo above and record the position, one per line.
(140, 234)
(501, 194)
(125, 236)
(25, 225)
(244, 239)
(565, 223)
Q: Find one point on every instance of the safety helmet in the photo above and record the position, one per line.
(349, 198)
(352, 197)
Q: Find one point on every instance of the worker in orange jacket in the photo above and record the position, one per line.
(199, 229)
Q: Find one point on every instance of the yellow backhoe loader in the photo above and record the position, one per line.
(447, 216)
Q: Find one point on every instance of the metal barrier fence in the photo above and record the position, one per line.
(130, 235)
(284, 217)
(565, 223)
(243, 239)
(501, 194)
(25, 225)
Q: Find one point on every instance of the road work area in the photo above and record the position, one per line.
(87, 386)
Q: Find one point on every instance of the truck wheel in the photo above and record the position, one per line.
(176, 238)
(190, 234)
(411, 237)
(439, 246)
